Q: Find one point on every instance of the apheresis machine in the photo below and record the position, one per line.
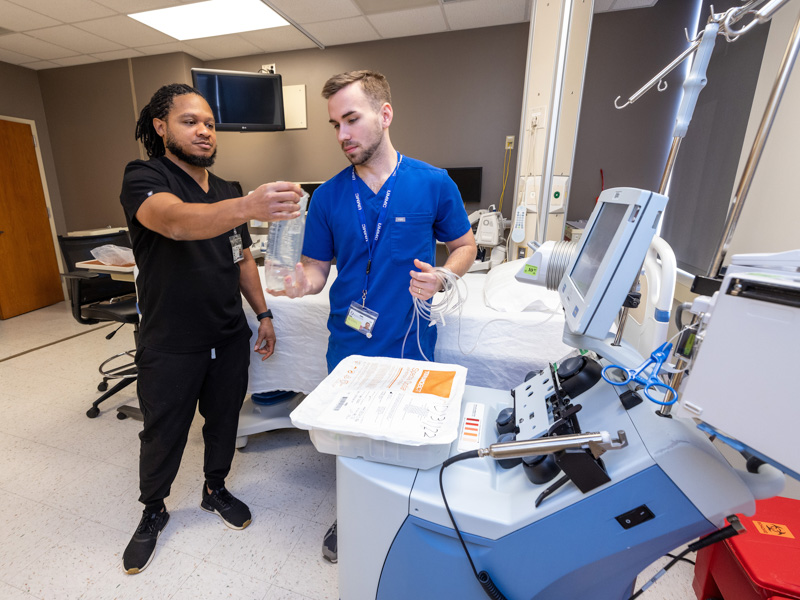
(569, 485)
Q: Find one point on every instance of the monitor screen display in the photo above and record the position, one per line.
(596, 245)
(242, 101)
(468, 180)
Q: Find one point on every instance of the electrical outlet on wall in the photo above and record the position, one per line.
(270, 68)
(509, 142)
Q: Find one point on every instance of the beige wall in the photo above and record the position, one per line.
(21, 97)
(771, 214)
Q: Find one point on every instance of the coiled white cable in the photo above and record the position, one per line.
(453, 296)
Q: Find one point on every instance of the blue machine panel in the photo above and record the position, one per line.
(580, 552)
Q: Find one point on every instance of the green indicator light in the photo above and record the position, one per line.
(557, 195)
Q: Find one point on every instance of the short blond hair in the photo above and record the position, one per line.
(373, 83)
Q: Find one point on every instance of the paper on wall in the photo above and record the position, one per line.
(396, 400)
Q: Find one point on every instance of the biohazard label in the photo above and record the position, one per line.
(773, 529)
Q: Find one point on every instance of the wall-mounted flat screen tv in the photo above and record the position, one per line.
(242, 101)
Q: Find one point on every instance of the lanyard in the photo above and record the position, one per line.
(379, 225)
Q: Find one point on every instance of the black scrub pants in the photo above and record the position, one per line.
(169, 386)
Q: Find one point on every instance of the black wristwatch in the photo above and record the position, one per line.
(264, 315)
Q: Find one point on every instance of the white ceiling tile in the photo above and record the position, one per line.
(82, 59)
(344, 31)
(471, 14)
(14, 58)
(19, 18)
(164, 48)
(25, 44)
(373, 7)
(75, 39)
(117, 54)
(314, 11)
(41, 64)
(278, 39)
(125, 31)
(417, 21)
(224, 46)
(175, 47)
(602, 5)
(127, 7)
(628, 4)
(68, 11)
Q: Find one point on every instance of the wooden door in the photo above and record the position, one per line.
(29, 277)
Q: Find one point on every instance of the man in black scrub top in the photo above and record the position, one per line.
(191, 243)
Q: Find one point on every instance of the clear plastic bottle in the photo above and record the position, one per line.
(284, 247)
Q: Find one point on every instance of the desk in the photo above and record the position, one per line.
(117, 272)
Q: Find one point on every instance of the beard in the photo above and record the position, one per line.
(367, 152)
(195, 161)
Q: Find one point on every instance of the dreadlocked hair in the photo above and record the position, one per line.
(158, 108)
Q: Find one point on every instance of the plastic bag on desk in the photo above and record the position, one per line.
(114, 255)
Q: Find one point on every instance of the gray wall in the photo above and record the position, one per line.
(21, 97)
(627, 48)
(703, 181)
(90, 115)
(456, 96)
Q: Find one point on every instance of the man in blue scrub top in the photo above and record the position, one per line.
(380, 219)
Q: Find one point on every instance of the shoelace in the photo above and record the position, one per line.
(150, 524)
(223, 496)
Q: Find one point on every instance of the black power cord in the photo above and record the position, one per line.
(483, 577)
(735, 528)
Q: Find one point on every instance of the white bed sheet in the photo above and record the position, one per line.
(498, 347)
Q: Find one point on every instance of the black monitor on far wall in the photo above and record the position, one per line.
(469, 181)
(242, 101)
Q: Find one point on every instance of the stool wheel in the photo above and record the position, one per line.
(93, 412)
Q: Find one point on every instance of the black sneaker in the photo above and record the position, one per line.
(329, 545)
(142, 547)
(233, 512)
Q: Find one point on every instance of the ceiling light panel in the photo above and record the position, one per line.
(211, 18)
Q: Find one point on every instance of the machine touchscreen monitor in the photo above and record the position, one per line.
(609, 256)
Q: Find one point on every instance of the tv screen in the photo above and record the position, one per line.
(468, 180)
(242, 101)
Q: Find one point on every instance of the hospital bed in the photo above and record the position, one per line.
(505, 330)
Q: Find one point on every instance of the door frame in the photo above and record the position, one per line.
(49, 206)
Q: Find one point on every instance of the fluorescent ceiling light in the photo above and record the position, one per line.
(214, 17)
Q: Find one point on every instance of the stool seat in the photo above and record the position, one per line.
(121, 311)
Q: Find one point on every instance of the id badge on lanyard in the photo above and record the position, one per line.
(359, 317)
(236, 246)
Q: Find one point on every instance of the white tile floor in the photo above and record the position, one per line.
(70, 486)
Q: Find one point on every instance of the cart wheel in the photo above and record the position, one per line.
(122, 416)
(93, 412)
(102, 387)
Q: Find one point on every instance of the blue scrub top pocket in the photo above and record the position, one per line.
(412, 237)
